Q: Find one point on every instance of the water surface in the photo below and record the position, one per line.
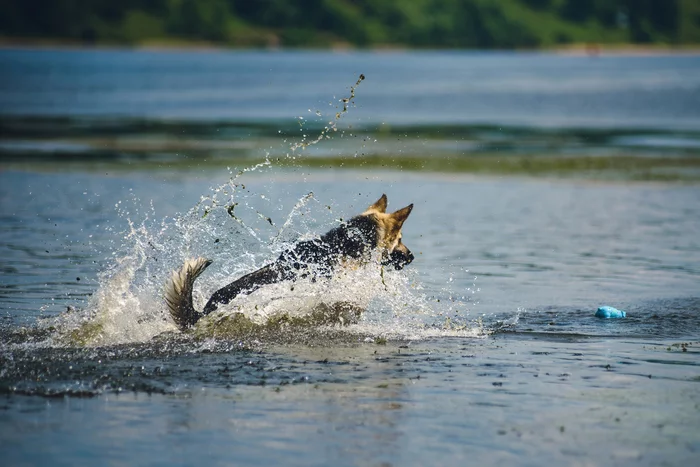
(549, 186)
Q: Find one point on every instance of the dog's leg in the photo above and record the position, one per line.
(270, 274)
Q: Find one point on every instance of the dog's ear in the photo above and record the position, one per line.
(380, 205)
(399, 217)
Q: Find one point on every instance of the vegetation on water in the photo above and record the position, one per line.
(360, 23)
(325, 319)
(126, 145)
(629, 167)
(238, 325)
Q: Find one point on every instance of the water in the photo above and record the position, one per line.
(117, 166)
(403, 88)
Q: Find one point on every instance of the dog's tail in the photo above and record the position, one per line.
(178, 292)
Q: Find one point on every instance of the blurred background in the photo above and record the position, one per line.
(491, 24)
(588, 87)
(594, 88)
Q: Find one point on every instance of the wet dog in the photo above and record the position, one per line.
(352, 242)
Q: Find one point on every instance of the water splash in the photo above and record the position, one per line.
(232, 224)
(332, 126)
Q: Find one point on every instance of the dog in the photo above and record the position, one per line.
(352, 242)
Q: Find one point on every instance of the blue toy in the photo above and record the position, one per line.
(609, 312)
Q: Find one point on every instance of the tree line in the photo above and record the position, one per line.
(359, 23)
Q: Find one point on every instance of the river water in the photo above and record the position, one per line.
(116, 166)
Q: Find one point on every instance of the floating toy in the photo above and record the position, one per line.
(609, 312)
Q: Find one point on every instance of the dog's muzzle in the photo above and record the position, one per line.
(399, 259)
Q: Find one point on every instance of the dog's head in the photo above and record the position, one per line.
(388, 227)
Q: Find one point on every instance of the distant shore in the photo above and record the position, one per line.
(175, 45)
(625, 49)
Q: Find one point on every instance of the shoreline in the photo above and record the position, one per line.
(175, 46)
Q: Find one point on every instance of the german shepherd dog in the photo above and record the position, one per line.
(353, 241)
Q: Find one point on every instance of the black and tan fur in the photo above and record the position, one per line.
(351, 242)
